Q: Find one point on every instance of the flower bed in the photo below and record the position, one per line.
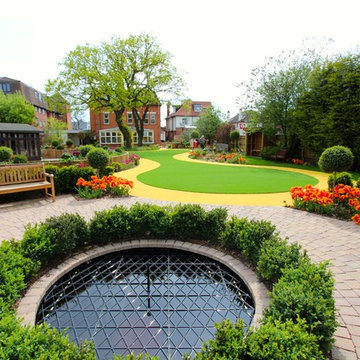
(343, 202)
(232, 158)
(107, 185)
(299, 322)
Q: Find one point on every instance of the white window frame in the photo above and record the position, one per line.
(148, 137)
(197, 107)
(106, 118)
(184, 122)
(152, 118)
(111, 137)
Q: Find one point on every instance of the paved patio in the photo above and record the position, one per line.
(324, 239)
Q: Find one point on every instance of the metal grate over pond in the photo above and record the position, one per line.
(160, 301)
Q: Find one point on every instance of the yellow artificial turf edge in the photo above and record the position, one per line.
(275, 199)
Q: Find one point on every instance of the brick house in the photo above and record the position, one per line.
(106, 130)
(37, 99)
(184, 117)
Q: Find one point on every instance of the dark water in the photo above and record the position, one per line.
(163, 302)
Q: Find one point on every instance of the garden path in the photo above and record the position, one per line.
(324, 239)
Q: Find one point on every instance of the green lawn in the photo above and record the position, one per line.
(197, 177)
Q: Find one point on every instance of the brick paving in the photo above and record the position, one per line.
(324, 239)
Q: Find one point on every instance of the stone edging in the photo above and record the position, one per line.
(28, 305)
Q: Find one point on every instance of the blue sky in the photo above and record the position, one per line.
(214, 43)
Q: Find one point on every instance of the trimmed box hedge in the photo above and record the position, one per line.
(299, 324)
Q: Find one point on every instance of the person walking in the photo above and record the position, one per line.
(202, 141)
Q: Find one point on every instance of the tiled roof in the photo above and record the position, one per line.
(243, 117)
(187, 109)
(21, 128)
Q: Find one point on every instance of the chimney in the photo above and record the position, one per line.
(228, 115)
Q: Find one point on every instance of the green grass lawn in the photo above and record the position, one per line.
(197, 177)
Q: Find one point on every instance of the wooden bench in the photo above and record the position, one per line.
(18, 178)
(280, 155)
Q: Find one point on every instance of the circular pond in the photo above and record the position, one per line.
(160, 301)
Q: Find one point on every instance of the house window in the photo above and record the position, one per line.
(5, 87)
(197, 107)
(184, 122)
(152, 118)
(146, 121)
(148, 137)
(106, 118)
(110, 137)
(129, 117)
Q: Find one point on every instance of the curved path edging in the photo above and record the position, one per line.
(29, 304)
(151, 192)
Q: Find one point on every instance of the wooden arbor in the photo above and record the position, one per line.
(21, 138)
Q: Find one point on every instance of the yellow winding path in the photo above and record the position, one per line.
(275, 199)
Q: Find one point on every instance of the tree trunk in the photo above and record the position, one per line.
(139, 124)
(125, 130)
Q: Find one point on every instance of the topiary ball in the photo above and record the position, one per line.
(98, 158)
(234, 135)
(336, 159)
(55, 143)
(5, 153)
(69, 142)
(84, 149)
(194, 134)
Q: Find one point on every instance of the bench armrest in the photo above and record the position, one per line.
(49, 175)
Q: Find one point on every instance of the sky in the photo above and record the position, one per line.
(214, 44)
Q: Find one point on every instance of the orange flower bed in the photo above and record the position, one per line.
(343, 201)
(97, 187)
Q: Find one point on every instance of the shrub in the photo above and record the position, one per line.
(60, 147)
(55, 143)
(276, 256)
(98, 158)
(68, 157)
(69, 143)
(119, 150)
(65, 178)
(248, 236)
(342, 178)
(20, 159)
(282, 340)
(357, 184)
(336, 159)
(187, 221)
(56, 236)
(306, 292)
(268, 151)
(84, 149)
(5, 153)
(117, 166)
(110, 225)
(15, 270)
(194, 134)
(229, 343)
(150, 220)
(40, 342)
(107, 171)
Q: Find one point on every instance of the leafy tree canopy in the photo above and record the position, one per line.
(15, 109)
(273, 92)
(329, 112)
(117, 75)
(209, 122)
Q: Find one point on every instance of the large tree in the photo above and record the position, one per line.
(209, 122)
(328, 113)
(122, 74)
(15, 109)
(273, 92)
